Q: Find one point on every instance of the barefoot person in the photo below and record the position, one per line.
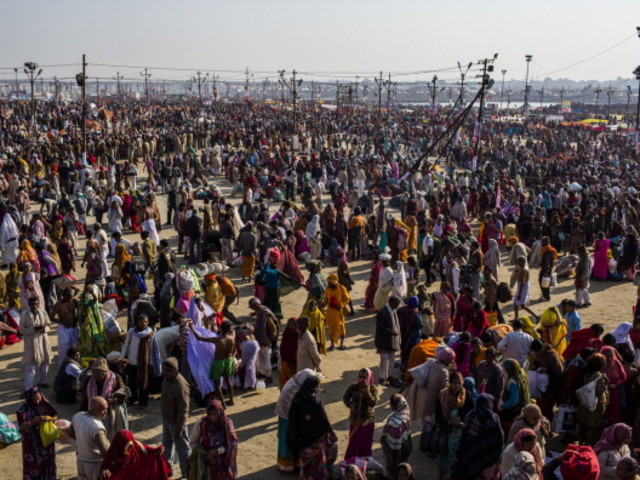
(223, 364)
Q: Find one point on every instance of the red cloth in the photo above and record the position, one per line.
(581, 339)
(579, 463)
(141, 462)
(289, 346)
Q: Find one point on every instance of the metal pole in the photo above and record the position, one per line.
(504, 72)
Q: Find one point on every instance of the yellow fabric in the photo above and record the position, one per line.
(529, 327)
(213, 296)
(334, 317)
(555, 329)
(316, 327)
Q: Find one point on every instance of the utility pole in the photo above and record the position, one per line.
(526, 84)
(283, 83)
(541, 96)
(504, 72)
(636, 72)
(294, 92)
(462, 75)
(146, 77)
(81, 80)
(17, 86)
(30, 71)
(97, 90)
(628, 101)
(388, 86)
(246, 84)
(598, 91)
(200, 80)
(609, 93)
(380, 84)
(508, 98)
(434, 80)
(561, 96)
(485, 84)
(356, 89)
(117, 78)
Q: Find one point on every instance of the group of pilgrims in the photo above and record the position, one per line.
(259, 206)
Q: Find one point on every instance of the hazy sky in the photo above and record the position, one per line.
(321, 36)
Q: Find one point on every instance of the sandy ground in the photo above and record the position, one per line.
(253, 413)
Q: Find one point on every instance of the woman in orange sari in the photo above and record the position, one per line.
(27, 254)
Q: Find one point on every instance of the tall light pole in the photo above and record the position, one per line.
(17, 87)
(636, 72)
(30, 71)
(462, 75)
(628, 101)
(526, 84)
(504, 72)
(433, 91)
(146, 77)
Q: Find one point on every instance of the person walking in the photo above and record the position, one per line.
(37, 354)
(387, 340)
(174, 406)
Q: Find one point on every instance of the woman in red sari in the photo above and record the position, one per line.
(370, 292)
(617, 377)
(464, 310)
(127, 458)
(214, 440)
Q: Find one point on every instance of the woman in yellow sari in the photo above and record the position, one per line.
(555, 329)
(316, 324)
(336, 298)
(27, 254)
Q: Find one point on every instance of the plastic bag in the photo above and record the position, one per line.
(565, 419)
(587, 396)
(49, 433)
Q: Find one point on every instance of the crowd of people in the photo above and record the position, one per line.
(495, 397)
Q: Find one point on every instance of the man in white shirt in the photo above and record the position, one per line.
(516, 344)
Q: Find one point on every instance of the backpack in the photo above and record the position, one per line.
(504, 293)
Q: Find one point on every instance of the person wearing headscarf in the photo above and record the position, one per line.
(524, 468)
(516, 392)
(288, 352)
(479, 449)
(271, 278)
(28, 254)
(316, 324)
(167, 293)
(591, 422)
(12, 281)
(411, 325)
(623, 337)
(531, 418)
(316, 283)
(372, 286)
(613, 446)
(444, 308)
(617, 376)
(310, 436)
(400, 281)
(554, 329)
(38, 461)
(214, 446)
(629, 257)
(335, 300)
(361, 398)
(344, 277)
(385, 282)
(93, 339)
(128, 458)
(492, 257)
(453, 406)
(109, 385)
(9, 234)
(469, 385)
(422, 394)
(286, 460)
(583, 275)
(524, 441)
(396, 434)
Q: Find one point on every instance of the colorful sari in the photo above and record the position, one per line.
(38, 461)
(93, 340)
(370, 292)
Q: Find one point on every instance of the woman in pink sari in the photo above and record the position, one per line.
(443, 305)
(617, 377)
(600, 257)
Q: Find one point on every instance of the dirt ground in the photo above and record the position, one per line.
(253, 413)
